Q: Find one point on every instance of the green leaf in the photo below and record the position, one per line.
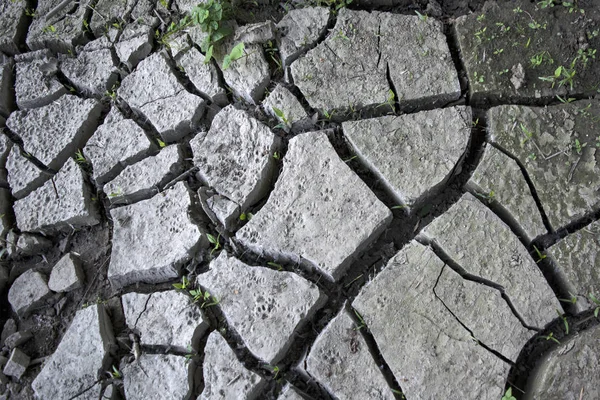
(237, 52)
(226, 61)
(278, 112)
(211, 238)
(221, 33)
(209, 54)
(596, 312)
(558, 71)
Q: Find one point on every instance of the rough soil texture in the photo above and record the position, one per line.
(386, 199)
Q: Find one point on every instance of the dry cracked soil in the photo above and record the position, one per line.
(375, 199)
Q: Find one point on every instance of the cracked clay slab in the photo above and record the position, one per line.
(319, 210)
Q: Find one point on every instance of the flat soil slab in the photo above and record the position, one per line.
(340, 360)
(412, 154)
(152, 238)
(224, 376)
(350, 68)
(265, 307)
(578, 256)
(435, 355)
(558, 147)
(79, 358)
(477, 240)
(319, 211)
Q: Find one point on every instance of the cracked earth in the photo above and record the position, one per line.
(393, 200)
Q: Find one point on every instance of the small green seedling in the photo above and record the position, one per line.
(275, 265)
(79, 157)
(597, 303)
(361, 320)
(204, 297)
(277, 156)
(528, 134)
(550, 336)
(274, 369)
(572, 300)
(508, 395)
(598, 141)
(401, 207)
(565, 100)
(49, 29)
(185, 283)
(236, 53)
(424, 17)
(565, 322)
(281, 115)
(190, 353)
(246, 216)
(578, 146)
(161, 144)
(115, 373)
(350, 159)
(215, 241)
(539, 254)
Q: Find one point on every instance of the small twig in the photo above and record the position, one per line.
(179, 178)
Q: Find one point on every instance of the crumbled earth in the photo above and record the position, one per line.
(375, 199)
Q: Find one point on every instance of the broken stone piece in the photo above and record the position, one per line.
(203, 75)
(10, 327)
(67, 274)
(299, 29)
(180, 321)
(153, 238)
(224, 375)
(64, 202)
(319, 211)
(28, 291)
(51, 134)
(92, 72)
(284, 106)
(156, 377)
(135, 43)
(154, 91)
(486, 248)
(235, 157)
(79, 359)
(36, 84)
(27, 244)
(13, 25)
(557, 145)
(118, 142)
(500, 179)
(341, 360)
(144, 178)
(59, 25)
(260, 32)
(17, 364)
(249, 76)
(267, 307)
(17, 339)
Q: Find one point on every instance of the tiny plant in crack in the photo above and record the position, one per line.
(79, 157)
(596, 302)
(550, 336)
(115, 373)
(540, 254)
(508, 395)
(564, 320)
(215, 241)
